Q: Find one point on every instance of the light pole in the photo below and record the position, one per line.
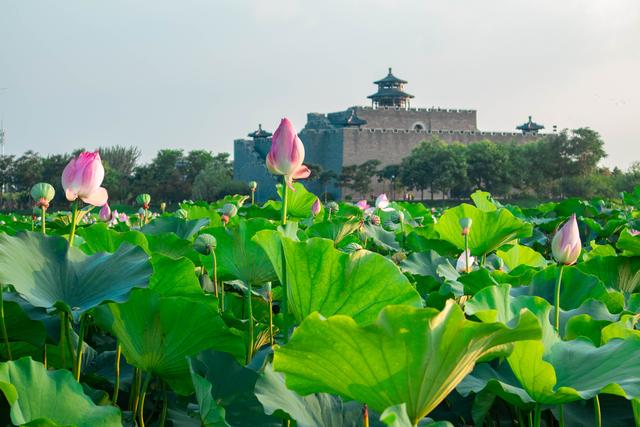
(393, 187)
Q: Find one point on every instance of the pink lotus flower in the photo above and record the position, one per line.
(287, 154)
(363, 205)
(82, 178)
(382, 202)
(105, 213)
(315, 208)
(566, 245)
(123, 217)
(634, 232)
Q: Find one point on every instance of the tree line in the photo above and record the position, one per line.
(171, 176)
(559, 165)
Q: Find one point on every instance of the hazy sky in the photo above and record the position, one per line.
(198, 74)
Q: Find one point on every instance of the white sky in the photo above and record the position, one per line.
(198, 74)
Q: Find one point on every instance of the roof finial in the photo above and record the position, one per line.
(389, 70)
(259, 126)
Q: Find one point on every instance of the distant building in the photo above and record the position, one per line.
(387, 131)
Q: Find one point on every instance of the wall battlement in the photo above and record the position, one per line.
(417, 110)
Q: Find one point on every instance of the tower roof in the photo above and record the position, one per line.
(530, 126)
(389, 93)
(260, 133)
(390, 79)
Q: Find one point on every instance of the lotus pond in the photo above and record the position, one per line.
(223, 314)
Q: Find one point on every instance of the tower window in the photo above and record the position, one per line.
(418, 127)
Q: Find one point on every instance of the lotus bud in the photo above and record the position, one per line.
(105, 213)
(43, 193)
(229, 209)
(633, 232)
(14, 219)
(375, 220)
(287, 154)
(316, 207)
(144, 200)
(333, 207)
(382, 202)
(253, 185)
(465, 223)
(141, 211)
(82, 178)
(163, 206)
(398, 257)
(566, 245)
(461, 264)
(224, 218)
(182, 213)
(123, 217)
(205, 243)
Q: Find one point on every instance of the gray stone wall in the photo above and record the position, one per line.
(390, 146)
(249, 165)
(428, 118)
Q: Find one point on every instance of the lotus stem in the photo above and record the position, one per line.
(467, 265)
(635, 406)
(270, 300)
(557, 299)
(537, 414)
(135, 395)
(77, 366)
(67, 332)
(285, 199)
(561, 415)
(283, 303)
(74, 217)
(598, 414)
(253, 194)
(143, 394)
(61, 341)
(44, 355)
(5, 335)
(44, 220)
(213, 272)
(250, 309)
(116, 387)
(365, 416)
(163, 414)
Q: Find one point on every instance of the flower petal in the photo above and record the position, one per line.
(97, 197)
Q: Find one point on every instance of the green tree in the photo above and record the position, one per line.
(487, 166)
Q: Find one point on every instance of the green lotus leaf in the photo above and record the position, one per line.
(576, 288)
(100, 238)
(521, 255)
(490, 230)
(47, 272)
(239, 257)
(300, 201)
(52, 398)
(336, 230)
(201, 210)
(25, 336)
(184, 229)
(409, 355)
(319, 409)
(552, 371)
(629, 243)
(168, 244)
(484, 201)
(172, 277)
(396, 416)
(152, 330)
(616, 272)
(230, 386)
(381, 237)
(324, 279)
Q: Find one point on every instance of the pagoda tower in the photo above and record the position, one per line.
(390, 93)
